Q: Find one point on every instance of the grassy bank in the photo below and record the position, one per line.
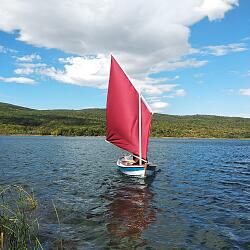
(18, 224)
(16, 120)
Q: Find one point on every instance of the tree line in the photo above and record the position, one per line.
(15, 120)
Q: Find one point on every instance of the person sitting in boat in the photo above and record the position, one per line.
(128, 160)
(133, 160)
(136, 160)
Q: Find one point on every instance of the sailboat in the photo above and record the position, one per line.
(128, 121)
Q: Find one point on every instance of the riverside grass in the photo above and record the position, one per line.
(18, 225)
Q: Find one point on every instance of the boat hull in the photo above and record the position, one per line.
(136, 170)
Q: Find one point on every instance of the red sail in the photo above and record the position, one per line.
(122, 113)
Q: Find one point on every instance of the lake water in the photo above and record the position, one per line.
(198, 199)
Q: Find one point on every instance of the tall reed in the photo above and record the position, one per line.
(18, 225)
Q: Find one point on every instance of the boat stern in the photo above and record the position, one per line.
(135, 170)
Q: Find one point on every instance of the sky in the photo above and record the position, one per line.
(188, 58)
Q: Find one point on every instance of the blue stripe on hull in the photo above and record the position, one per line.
(126, 169)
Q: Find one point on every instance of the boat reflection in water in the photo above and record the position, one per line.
(131, 212)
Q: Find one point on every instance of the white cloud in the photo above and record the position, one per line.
(188, 63)
(84, 71)
(153, 86)
(244, 92)
(179, 92)
(31, 65)
(23, 80)
(158, 106)
(221, 50)
(28, 58)
(152, 99)
(24, 71)
(6, 50)
(92, 71)
(215, 9)
(157, 89)
(145, 36)
(30, 68)
(176, 93)
(142, 34)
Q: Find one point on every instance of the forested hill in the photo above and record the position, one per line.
(91, 122)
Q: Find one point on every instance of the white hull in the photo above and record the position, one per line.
(136, 170)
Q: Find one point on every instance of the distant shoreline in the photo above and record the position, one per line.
(101, 136)
(20, 121)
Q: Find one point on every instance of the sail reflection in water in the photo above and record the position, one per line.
(131, 212)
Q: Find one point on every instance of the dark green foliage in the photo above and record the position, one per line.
(201, 126)
(91, 122)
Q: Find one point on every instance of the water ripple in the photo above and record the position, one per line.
(199, 198)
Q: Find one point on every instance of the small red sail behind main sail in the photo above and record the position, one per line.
(122, 113)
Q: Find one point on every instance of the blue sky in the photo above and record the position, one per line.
(193, 59)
